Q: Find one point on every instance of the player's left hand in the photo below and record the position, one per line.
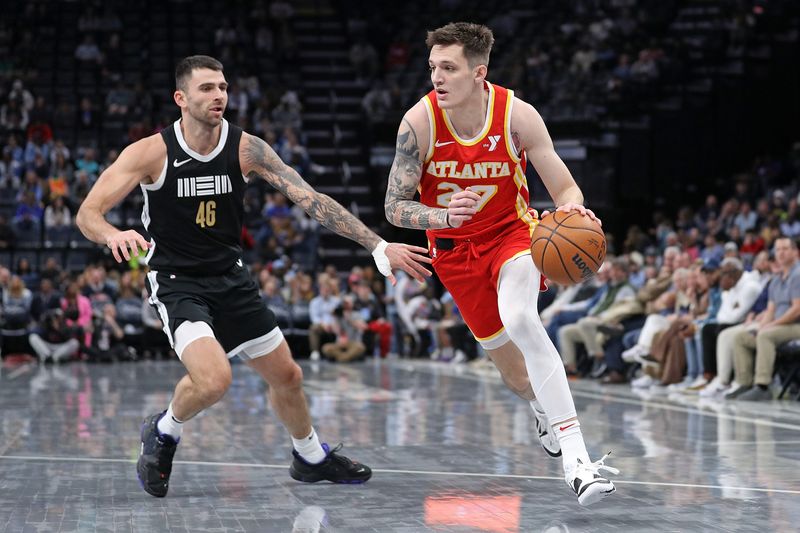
(407, 258)
(566, 208)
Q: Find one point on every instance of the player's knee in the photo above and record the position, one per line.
(515, 319)
(215, 386)
(292, 378)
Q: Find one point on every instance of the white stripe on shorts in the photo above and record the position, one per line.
(160, 307)
(259, 346)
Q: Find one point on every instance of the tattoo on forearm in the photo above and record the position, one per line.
(401, 209)
(265, 164)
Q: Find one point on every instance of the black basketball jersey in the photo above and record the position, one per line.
(194, 210)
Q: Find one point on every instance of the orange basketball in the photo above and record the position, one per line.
(568, 247)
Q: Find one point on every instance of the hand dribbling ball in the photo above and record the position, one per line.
(568, 248)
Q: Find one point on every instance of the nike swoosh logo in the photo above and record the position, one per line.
(239, 262)
(176, 163)
(440, 143)
(562, 428)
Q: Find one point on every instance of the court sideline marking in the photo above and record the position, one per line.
(394, 471)
(412, 367)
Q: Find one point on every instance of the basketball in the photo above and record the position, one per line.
(568, 247)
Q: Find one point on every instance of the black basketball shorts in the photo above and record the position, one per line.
(229, 303)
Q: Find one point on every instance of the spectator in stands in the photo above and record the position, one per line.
(40, 142)
(274, 300)
(348, 327)
(87, 119)
(739, 293)
(323, 321)
(780, 323)
(264, 40)
(119, 100)
(238, 103)
(88, 163)
(41, 117)
(80, 188)
(45, 299)
(52, 270)
(28, 216)
(287, 114)
(584, 331)
(17, 301)
(57, 218)
(25, 270)
(364, 59)
(78, 313)
(373, 315)
(52, 339)
(377, 102)
(98, 289)
(568, 311)
(108, 337)
(21, 95)
(88, 52)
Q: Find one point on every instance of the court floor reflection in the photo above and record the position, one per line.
(452, 450)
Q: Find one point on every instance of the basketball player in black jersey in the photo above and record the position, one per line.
(193, 175)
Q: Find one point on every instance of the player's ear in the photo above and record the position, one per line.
(480, 73)
(179, 97)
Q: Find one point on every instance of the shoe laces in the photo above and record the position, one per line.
(599, 465)
(333, 456)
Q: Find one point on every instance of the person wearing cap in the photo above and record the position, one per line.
(731, 249)
(739, 294)
(755, 351)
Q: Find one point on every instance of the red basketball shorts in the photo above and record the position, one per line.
(471, 270)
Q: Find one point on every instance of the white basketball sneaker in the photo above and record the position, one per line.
(588, 484)
(547, 437)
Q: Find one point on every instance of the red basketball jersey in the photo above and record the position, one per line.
(487, 163)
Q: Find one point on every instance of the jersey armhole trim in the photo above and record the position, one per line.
(512, 150)
(156, 185)
(432, 126)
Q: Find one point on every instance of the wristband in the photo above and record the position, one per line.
(381, 261)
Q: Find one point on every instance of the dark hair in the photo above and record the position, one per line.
(476, 39)
(184, 68)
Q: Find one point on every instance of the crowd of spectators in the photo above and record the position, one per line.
(684, 300)
(700, 303)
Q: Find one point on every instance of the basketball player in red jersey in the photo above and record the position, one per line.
(464, 147)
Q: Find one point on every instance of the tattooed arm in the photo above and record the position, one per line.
(413, 140)
(259, 160)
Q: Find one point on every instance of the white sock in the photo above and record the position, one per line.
(517, 294)
(169, 425)
(309, 448)
(572, 446)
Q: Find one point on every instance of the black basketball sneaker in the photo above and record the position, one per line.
(334, 468)
(155, 458)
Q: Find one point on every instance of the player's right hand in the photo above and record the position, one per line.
(123, 243)
(462, 207)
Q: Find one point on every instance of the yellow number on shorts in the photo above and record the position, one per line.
(486, 192)
(206, 214)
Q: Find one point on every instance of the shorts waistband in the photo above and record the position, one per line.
(449, 243)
